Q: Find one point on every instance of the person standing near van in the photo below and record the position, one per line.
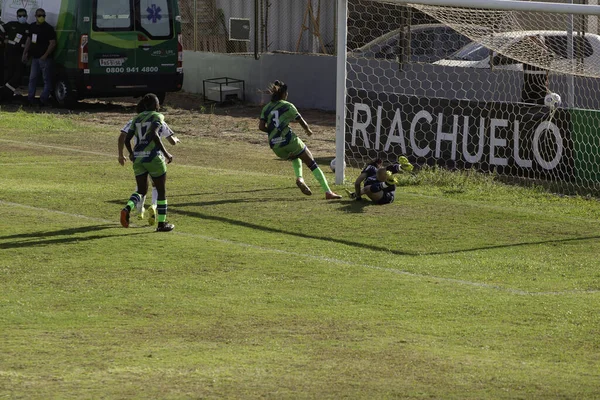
(16, 36)
(2, 46)
(40, 45)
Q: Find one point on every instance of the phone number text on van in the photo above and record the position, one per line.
(120, 70)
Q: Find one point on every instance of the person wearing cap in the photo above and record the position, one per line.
(16, 36)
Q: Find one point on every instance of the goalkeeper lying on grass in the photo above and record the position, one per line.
(379, 182)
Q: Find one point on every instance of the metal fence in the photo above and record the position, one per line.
(230, 26)
(299, 26)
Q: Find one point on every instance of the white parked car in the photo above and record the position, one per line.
(428, 43)
(526, 44)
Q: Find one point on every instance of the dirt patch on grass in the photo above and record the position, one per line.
(189, 115)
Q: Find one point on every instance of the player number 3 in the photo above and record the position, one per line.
(275, 115)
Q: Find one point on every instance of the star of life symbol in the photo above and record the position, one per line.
(32, 4)
(154, 13)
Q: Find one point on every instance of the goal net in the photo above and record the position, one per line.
(508, 91)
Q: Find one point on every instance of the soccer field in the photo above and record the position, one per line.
(463, 288)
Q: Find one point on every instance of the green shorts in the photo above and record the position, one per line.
(156, 168)
(290, 151)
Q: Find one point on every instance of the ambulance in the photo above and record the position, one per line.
(110, 48)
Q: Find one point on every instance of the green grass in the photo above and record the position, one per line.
(464, 288)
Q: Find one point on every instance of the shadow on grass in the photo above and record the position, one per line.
(195, 214)
(353, 206)
(277, 189)
(251, 225)
(43, 238)
(292, 198)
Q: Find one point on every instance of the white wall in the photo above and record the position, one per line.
(310, 78)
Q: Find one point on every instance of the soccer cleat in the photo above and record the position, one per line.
(332, 196)
(165, 227)
(152, 215)
(125, 217)
(303, 187)
(352, 195)
(141, 214)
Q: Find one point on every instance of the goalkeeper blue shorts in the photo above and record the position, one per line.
(388, 196)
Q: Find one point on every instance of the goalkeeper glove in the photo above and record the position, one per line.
(352, 195)
(405, 165)
(391, 179)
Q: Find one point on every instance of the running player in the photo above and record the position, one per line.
(379, 183)
(148, 158)
(275, 120)
(164, 132)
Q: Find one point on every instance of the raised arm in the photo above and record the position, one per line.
(304, 125)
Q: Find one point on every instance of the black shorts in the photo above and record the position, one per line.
(387, 198)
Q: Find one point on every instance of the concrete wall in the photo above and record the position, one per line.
(310, 78)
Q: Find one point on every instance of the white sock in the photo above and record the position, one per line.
(154, 196)
(140, 205)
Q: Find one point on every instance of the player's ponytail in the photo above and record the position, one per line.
(277, 90)
(377, 163)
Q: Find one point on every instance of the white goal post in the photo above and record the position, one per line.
(438, 109)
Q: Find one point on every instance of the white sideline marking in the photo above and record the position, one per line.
(34, 163)
(218, 170)
(529, 211)
(322, 258)
(47, 146)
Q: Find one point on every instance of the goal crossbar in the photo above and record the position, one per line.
(514, 5)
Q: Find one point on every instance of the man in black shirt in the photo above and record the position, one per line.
(40, 45)
(16, 36)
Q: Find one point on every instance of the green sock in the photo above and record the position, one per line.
(297, 164)
(321, 178)
(161, 208)
(133, 201)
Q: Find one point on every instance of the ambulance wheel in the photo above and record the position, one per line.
(63, 94)
(161, 97)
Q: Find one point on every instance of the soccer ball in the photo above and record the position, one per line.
(332, 165)
(552, 100)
